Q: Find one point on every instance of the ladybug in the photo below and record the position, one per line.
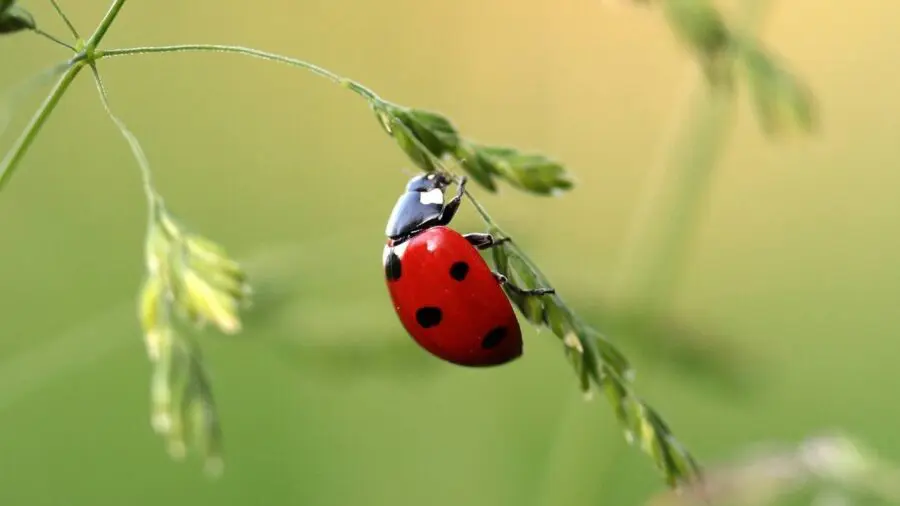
(447, 297)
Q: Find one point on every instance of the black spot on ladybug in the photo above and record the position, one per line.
(428, 316)
(459, 271)
(392, 268)
(493, 338)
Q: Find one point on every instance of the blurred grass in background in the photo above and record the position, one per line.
(324, 399)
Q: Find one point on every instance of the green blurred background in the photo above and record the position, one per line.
(795, 268)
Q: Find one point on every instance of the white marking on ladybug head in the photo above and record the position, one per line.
(384, 254)
(435, 196)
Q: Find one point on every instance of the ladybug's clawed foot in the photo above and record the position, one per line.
(503, 280)
(485, 241)
(450, 208)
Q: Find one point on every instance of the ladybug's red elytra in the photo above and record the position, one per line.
(447, 297)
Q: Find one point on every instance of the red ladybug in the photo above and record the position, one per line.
(446, 296)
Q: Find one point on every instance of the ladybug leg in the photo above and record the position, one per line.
(503, 280)
(452, 205)
(485, 241)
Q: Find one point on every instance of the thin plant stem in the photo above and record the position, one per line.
(15, 155)
(65, 18)
(11, 161)
(53, 39)
(105, 23)
(133, 143)
(354, 86)
(10, 98)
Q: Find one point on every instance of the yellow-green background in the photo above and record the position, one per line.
(324, 399)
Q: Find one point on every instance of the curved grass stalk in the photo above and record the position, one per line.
(15, 155)
(65, 19)
(12, 96)
(137, 151)
(356, 87)
(54, 39)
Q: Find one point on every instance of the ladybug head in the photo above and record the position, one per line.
(428, 182)
(420, 206)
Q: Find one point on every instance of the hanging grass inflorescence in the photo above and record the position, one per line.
(193, 280)
(782, 100)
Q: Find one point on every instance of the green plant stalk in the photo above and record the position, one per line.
(15, 155)
(20, 148)
(105, 23)
(52, 38)
(27, 86)
(352, 85)
(65, 19)
(666, 217)
(153, 198)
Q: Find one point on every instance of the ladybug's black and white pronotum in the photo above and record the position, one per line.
(446, 295)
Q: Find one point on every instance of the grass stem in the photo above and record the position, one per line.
(11, 161)
(65, 19)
